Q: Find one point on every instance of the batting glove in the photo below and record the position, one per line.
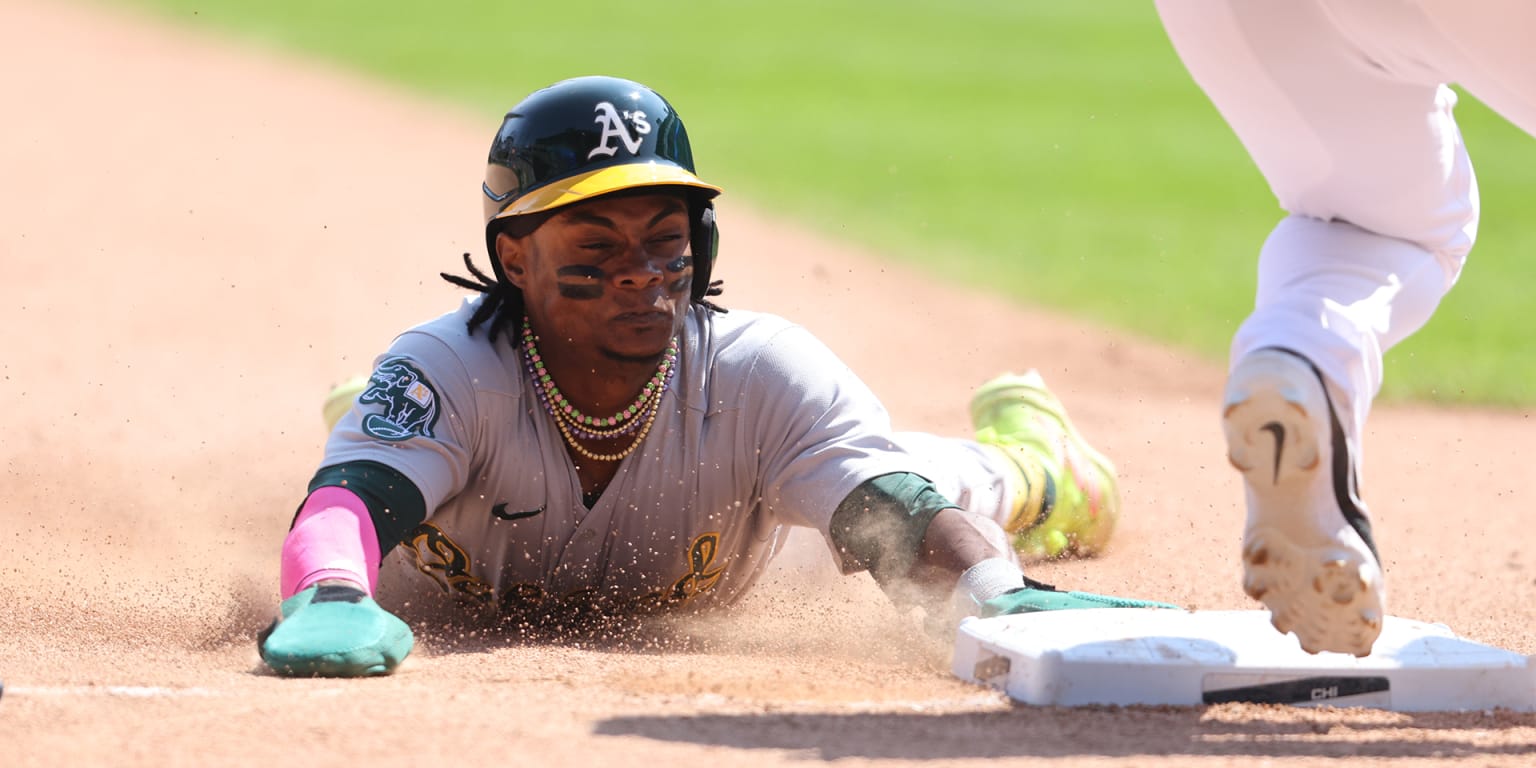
(334, 631)
(1037, 596)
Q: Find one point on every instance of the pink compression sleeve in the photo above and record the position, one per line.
(332, 538)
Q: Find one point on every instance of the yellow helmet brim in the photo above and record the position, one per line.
(602, 181)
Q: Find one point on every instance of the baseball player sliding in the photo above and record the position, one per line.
(595, 436)
(1345, 109)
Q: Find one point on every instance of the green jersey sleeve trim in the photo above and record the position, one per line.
(394, 503)
(880, 525)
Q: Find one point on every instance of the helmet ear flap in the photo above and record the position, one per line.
(493, 228)
(704, 242)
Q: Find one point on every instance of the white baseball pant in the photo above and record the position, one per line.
(1344, 106)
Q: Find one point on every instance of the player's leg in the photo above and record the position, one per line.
(1382, 201)
(1028, 470)
(1486, 48)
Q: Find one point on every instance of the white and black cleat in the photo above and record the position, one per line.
(1308, 554)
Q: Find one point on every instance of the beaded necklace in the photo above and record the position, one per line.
(573, 424)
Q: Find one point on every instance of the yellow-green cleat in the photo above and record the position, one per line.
(1069, 500)
(340, 400)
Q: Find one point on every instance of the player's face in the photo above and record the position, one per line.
(611, 275)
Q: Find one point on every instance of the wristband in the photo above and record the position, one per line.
(987, 579)
(332, 538)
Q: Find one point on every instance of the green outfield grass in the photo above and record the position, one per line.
(1055, 153)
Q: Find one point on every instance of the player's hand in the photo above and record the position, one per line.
(334, 629)
(1036, 596)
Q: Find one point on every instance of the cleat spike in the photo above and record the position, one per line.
(1280, 625)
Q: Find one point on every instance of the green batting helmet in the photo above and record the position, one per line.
(589, 136)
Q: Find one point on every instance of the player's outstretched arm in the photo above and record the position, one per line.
(334, 629)
(1032, 596)
(328, 623)
(995, 585)
(923, 550)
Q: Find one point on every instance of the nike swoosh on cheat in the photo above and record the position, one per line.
(1278, 430)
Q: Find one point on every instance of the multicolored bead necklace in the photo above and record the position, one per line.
(573, 424)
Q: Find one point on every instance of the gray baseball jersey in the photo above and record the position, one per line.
(762, 428)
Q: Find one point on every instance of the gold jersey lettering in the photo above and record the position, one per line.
(701, 577)
(446, 562)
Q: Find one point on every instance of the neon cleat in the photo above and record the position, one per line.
(1069, 500)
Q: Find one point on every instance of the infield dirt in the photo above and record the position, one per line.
(200, 238)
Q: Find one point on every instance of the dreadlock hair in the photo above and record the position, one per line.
(716, 287)
(502, 304)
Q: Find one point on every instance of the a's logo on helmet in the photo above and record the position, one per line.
(612, 121)
(410, 403)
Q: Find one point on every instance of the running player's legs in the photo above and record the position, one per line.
(1370, 165)
(1486, 47)
(1358, 144)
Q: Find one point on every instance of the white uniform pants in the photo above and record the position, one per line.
(1343, 106)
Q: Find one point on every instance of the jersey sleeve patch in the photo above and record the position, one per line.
(411, 404)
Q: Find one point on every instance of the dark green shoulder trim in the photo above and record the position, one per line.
(394, 502)
(880, 526)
